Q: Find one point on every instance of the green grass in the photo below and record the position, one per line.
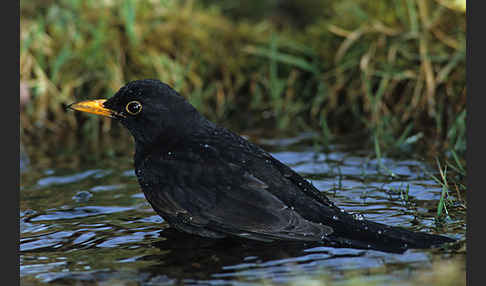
(451, 180)
(393, 72)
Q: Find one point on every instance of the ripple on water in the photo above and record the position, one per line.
(59, 180)
(103, 188)
(49, 240)
(40, 268)
(79, 212)
(292, 158)
(124, 239)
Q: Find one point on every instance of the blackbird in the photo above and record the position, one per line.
(204, 179)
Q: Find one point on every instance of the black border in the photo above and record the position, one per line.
(474, 137)
(11, 80)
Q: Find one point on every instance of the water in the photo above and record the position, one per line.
(88, 222)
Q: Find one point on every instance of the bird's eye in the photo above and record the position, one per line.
(133, 107)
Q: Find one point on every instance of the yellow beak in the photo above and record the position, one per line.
(93, 106)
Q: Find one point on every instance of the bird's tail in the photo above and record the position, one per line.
(365, 234)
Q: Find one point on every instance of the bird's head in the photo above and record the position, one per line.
(150, 110)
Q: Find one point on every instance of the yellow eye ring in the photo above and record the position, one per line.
(133, 107)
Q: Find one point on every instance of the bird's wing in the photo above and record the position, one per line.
(223, 197)
(238, 148)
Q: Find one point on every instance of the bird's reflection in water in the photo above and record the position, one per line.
(187, 256)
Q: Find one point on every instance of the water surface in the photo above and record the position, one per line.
(88, 222)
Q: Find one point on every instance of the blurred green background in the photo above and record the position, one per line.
(391, 72)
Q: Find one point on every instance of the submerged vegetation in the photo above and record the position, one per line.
(443, 272)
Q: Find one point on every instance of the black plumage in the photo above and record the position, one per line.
(206, 180)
